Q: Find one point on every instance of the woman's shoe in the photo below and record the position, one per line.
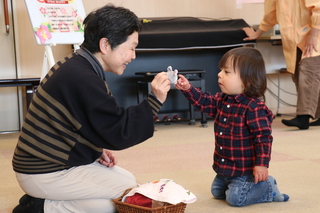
(301, 121)
(28, 204)
(315, 123)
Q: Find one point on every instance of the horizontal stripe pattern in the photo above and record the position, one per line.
(48, 135)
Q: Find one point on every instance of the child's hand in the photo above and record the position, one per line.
(182, 83)
(260, 173)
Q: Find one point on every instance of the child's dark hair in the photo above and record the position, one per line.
(113, 23)
(249, 62)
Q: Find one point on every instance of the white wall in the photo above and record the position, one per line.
(251, 13)
(31, 55)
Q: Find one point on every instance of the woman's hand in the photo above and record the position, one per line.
(311, 42)
(252, 35)
(160, 86)
(107, 158)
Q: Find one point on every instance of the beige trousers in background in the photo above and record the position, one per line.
(307, 80)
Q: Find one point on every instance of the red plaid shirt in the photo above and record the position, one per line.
(242, 129)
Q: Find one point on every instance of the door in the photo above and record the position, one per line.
(9, 104)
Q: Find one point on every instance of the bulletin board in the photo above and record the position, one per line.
(56, 21)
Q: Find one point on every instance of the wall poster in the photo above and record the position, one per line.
(56, 21)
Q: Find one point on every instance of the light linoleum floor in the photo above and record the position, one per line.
(184, 153)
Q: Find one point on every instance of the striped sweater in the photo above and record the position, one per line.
(73, 116)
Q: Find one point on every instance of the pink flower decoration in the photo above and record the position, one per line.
(63, 10)
(74, 13)
(43, 33)
(43, 10)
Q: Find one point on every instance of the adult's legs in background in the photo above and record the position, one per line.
(307, 80)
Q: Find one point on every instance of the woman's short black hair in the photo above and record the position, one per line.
(113, 23)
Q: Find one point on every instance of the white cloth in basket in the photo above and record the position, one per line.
(164, 190)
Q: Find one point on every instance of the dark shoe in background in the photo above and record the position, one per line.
(301, 121)
(315, 123)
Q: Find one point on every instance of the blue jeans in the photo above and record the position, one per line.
(241, 191)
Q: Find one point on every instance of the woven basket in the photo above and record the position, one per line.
(130, 208)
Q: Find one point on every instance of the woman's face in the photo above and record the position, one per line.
(229, 80)
(116, 60)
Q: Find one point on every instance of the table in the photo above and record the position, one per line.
(29, 83)
(196, 77)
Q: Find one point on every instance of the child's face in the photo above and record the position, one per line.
(229, 80)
